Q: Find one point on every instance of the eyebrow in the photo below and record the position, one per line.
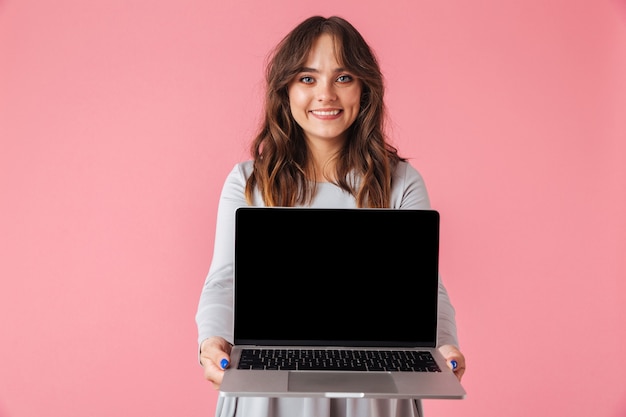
(308, 69)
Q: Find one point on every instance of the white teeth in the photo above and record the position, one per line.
(326, 113)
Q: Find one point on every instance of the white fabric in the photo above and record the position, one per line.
(215, 310)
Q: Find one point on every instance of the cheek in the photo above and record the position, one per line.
(296, 108)
(354, 98)
(357, 98)
(296, 99)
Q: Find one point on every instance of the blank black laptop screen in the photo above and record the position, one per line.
(336, 277)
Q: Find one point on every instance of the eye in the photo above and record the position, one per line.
(307, 79)
(345, 78)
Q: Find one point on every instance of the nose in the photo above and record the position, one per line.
(326, 91)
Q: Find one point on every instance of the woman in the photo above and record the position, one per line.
(321, 144)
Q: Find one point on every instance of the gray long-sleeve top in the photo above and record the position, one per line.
(215, 310)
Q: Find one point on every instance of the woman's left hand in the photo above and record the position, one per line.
(452, 354)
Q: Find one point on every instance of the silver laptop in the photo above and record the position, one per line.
(337, 303)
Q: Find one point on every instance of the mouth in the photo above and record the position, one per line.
(323, 114)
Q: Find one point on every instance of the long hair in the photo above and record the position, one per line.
(281, 159)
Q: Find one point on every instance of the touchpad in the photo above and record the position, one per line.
(353, 382)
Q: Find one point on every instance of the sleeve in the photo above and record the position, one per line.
(409, 192)
(214, 316)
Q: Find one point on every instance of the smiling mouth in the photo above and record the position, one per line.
(326, 112)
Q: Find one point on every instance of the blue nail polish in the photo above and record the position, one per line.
(224, 363)
(454, 364)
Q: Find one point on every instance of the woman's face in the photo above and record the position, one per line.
(324, 97)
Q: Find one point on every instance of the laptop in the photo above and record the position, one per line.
(337, 303)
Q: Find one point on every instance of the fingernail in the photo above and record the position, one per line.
(224, 363)
(454, 364)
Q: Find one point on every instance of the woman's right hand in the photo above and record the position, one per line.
(213, 352)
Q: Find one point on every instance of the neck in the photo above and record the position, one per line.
(323, 159)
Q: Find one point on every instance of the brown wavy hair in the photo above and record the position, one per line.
(282, 169)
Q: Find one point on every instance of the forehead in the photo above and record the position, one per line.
(324, 49)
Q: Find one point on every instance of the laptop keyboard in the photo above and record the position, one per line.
(338, 360)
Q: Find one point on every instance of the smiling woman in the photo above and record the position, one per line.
(320, 145)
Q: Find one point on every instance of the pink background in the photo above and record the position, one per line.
(120, 119)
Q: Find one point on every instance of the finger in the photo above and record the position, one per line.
(214, 360)
(216, 350)
(458, 367)
(213, 373)
(459, 373)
